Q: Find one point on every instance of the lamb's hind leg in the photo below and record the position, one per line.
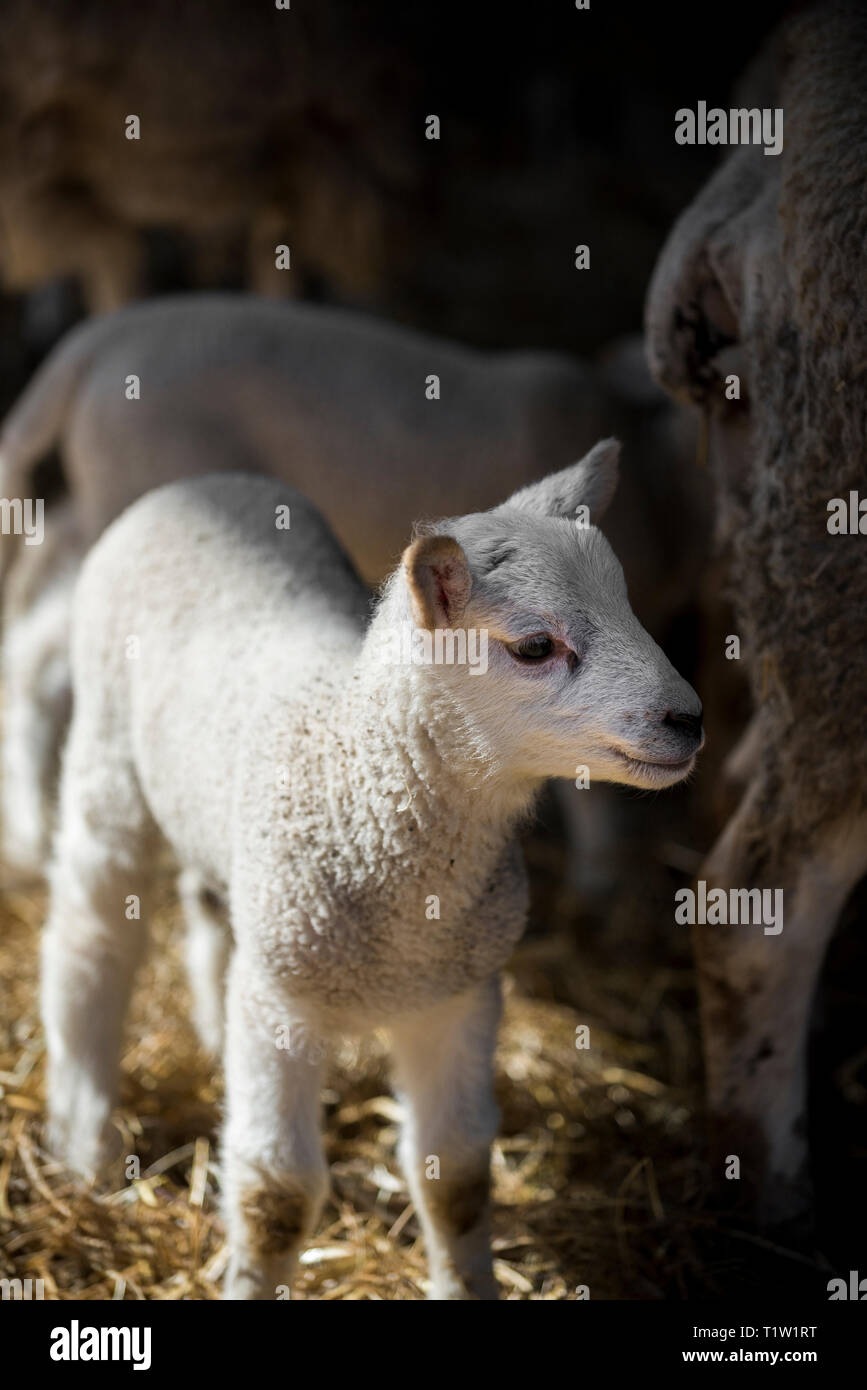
(207, 948)
(444, 1074)
(755, 992)
(92, 943)
(274, 1172)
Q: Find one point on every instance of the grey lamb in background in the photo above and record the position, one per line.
(337, 404)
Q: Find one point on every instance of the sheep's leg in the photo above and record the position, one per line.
(34, 727)
(444, 1074)
(25, 753)
(755, 992)
(207, 947)
(274, 1172)
(93, 941)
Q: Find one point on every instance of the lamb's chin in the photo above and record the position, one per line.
(650, 776)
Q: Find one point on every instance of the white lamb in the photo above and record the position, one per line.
(356, 817)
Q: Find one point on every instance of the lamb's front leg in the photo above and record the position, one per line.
(444, 1074)
(274, 1172)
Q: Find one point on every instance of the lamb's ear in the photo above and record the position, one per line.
(589, 483)
(438, 579)
(689, 314)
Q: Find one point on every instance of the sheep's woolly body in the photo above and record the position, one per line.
(333, 402)
(803, 592)
(764, 277)
(276, 759)
(336, 404)
(780, 240)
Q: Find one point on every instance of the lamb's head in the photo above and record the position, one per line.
(571, 679)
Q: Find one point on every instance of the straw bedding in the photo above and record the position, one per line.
(598, 1177)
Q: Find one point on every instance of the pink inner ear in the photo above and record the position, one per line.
(442, 576)
(440, 581)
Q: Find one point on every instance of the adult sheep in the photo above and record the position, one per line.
(763, 277)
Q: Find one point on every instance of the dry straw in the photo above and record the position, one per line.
(596, 1177)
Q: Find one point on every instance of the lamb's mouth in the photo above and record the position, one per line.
(658, 771)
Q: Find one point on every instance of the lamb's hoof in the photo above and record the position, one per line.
(82, 1137)
(245, 1284)
(24, 858)
(450, 1288)
(210, 1036)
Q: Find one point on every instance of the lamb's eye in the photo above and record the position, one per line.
(535, 648)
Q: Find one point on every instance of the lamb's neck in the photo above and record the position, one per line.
(428, 789)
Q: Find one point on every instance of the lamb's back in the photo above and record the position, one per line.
(202, 595)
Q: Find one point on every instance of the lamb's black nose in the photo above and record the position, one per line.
(684, 723)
